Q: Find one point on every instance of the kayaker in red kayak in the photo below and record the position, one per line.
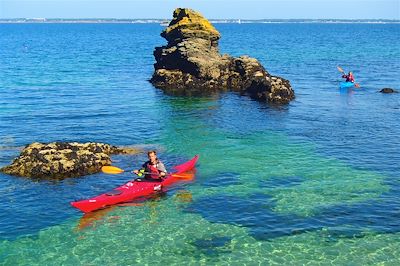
(154, 169)
(349, 77)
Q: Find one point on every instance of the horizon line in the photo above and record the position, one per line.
(216, 19)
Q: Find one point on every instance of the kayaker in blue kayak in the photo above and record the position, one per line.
(153, 169)
(349, 77)
(350, 81)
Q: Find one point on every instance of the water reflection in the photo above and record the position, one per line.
(108, 215)
(96, 218)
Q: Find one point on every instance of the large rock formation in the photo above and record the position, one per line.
(191, 64)
(61, 159)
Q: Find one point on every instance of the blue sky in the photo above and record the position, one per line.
(217, 9)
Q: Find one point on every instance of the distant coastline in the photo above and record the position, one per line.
(162, 21)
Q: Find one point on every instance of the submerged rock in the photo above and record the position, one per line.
(388, 90)
(62, 159)
(191, 64)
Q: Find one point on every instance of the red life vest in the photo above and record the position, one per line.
(349, 77)
(155, 174)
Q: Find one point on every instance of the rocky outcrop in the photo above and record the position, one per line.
(191, 64)
(59, 160)
(388, 90)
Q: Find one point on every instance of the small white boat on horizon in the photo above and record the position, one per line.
(164, 23)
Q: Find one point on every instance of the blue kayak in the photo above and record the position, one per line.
(346, 85)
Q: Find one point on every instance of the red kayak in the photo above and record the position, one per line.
(134, 189)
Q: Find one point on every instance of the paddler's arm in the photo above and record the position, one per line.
(161, 169)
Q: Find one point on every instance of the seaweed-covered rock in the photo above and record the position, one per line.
(62, 159)
(191, 64)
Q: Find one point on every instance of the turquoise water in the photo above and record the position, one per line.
(316, 181)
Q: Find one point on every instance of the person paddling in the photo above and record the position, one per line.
(153, 169)
(349, 77)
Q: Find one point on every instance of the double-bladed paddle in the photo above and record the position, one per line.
(113, 170)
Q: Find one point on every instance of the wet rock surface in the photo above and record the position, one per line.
(59, 160)
(388, 90)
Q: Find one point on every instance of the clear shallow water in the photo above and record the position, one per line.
(317, 180)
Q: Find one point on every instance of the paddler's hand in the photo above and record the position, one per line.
(137, 172)
(162, 174)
